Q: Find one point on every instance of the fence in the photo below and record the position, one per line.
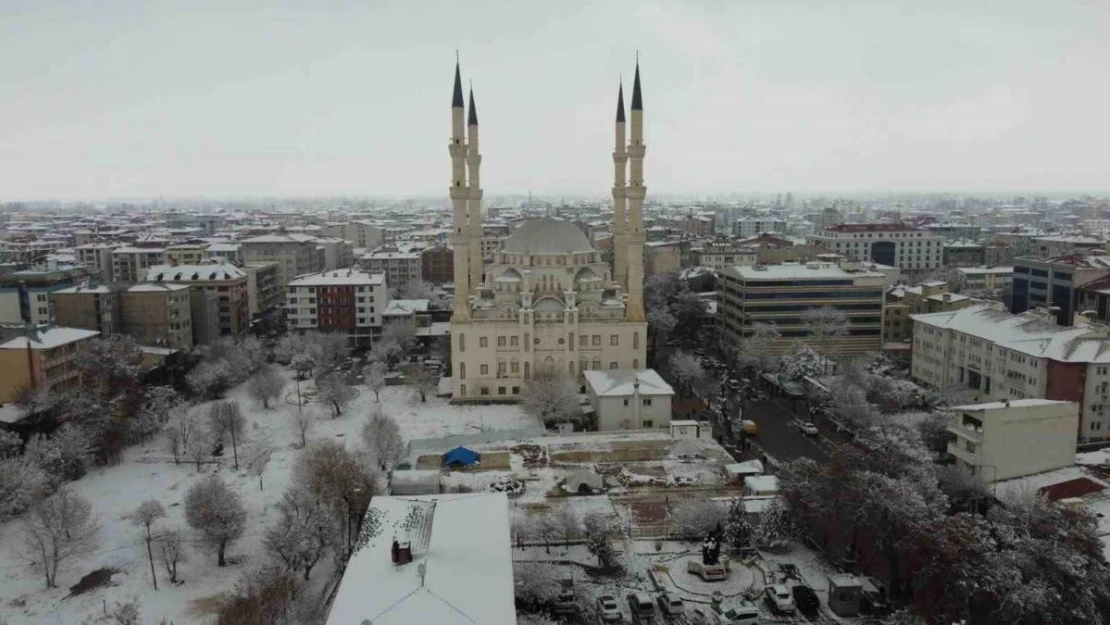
(444, 443)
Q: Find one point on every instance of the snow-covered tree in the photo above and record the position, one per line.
(568, 523)
(35, 402)
(382, 437)
(257, 457)
(211, 379)
(334, 392)
(417, 289)
(800, 363)
(57, 529)
(696, 518)
(386, 351)
(775, 525)
(303, 534)
(660, 324)
(111, 364)
(552, 398)
(169, 549)
(216, 513)
(64, 456)
(22, 482)
(159, 402)
(183, 422)
(374, 374)
(598, 542)
(199, 446)
(289, 346)
(335, 475)
(303, 364)
(757, 350)
(226, 423)
(686, 368)
(10, 444)
(403, 333)
(266, 385)
(825, 323)
(738, 531)
(304, 420)
(145, 516)
(422, 380)
(536, 583)
(269, 594)
(850, 406)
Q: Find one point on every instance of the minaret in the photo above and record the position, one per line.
(460, 234)
(636, 191)
(474, 197)
(620, 162)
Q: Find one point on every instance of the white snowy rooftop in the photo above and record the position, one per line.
(620, 382)
(403, 307)
(975, 271)
(49, 338)
(797, 271)
(194, 273)
(160, 287)
(339, 277)
(1013, 403)
(468, 565)
(280, 238)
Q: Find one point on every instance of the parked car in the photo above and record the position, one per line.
(702, 615)
(741, 613)
(670, 604)
(808, 428)
(643, 610)
(806, 600)
(607, 609)
(779, 598)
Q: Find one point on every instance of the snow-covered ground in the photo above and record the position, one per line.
(148, 472)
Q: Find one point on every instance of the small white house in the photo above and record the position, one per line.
(629, 399)
(691, 429)
(756, 485)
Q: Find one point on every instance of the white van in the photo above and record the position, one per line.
(740, 613)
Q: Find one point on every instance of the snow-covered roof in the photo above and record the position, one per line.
(620, 382)
(138, 250)
(467, 564)
(97, 288)
(194, 273)
(49, 338)
(748, 467)
(797, 271)
(975, 271)
(1013, 403)
(161, 287)
(339, 277)
(280, 238)
(404, 307)
(762, 483)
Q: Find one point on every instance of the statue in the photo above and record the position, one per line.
(711, 547)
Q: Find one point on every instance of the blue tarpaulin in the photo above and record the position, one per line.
(461, 457)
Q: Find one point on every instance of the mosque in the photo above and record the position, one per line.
(547, 302)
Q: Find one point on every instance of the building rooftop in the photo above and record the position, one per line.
(797, 271)
(49, 338)
(546, 235)
(404, 307)
(620, 382)
(290, 237)
(159, 287)
(194, 273)
(1005, 405)
(899, 227)
(461, 571)
(985, 270)
(73, 290)
(339, 277)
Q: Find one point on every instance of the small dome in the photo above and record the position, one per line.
(545, 235)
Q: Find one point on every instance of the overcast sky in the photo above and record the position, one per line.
(196, 98)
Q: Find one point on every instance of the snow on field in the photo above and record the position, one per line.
(148, 472)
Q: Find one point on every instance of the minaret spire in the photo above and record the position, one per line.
(459, 192)
(637, 100)
(620, 227)
(474, 199)
(472, 119)
(620, 104)
(457, 96)
(634, 235)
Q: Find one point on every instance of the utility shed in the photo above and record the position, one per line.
(461, 457)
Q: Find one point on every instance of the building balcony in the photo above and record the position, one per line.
(963, 454)
(967, 434)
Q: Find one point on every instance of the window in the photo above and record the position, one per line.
(612, 365)
(514, 367)
(527, 370)
(614, 340)
(649, 423)
(635, 340)
(501, 341)
(570, 340)
(625, 401)
(483, 341)
(635, 363)
(485, 390)
(513, 341)
(462, 390)
(462, 370)
(500, 390)
(516, 390)
(526, 344)
(570, 367)
(647, 401)
(462, 342)
(484, 369)
(583, 340)
(596, 364)
(501, 368)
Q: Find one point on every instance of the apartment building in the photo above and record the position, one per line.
(1065, 245)
(25, 295)
(399, 268)
(718, 256)
(437, 264)
(231, 252)
(1000, 355)
(43, 358)
(755, 226)
(158, 315)
(264, 292)
(348, 301)
(1054, 282)
(338, 253)
(97, 257)
(94, 307)
(186, 254)
(222, 282)
(963, 254)
(359, 233)
(629, 399)
(129, 264)
(295, 254)
(986, 280)
(1005, 439)
(664, 256)
(781, 294)
(898, 245)
(928, 297)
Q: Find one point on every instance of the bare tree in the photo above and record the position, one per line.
(403, 333)
(303, 364)
(551, 398)
(686, 368)
(337, 477)
(225, 419)
(824, 324)
(334, 391)
(695, 519)
(183, 423)
(421, 379)
(266, 385)
(145, 516)
(170, 550)
(382, 437)
(570, 526)
(304, 534)
(757, 349)
(216, 512)
(386, 351)
(56, 529)
(304, 420)
(34, 402)
(22, 482)
(199, 447)
(258, 457)
(375, 378)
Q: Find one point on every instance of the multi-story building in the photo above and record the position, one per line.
(97, 257)
(986, 281)
(963, 254)
(1005, 439)
(361, 234)
(399, 268)
(999, 355)
(437, 264)
(264, 292)
(231, 252)
(25, 295)
(753, 227)
(186, 254)
(223, 282)
(626, 399)
(95, 307)
(898, 245)
(338, 253)
(781, 294)
(699, 225)
(42, 358)
(158, 315)
(295, 254)
(928, 297)
(1054, 283)
(347, 301)
(129, 264)
(1045, 247)
(664, 256)
(718, 257)
(492, 245)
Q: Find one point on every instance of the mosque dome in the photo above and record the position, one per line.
(545, 235)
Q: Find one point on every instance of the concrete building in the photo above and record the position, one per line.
(223, 282)
(1054, 283)
(25, 294)
(664, 256)
(963, 254)
(1013, 438)
(295, 254)
(186, 254)
(629, 399)
(338, 253)
(230, 252)
(129, 264)
(548, 301)
(265, 294)
(42, 359)
(898, 245)
(437, 264)
(986, 281)
(399, 268)
(718, 257)
(348, 301)
(88, 307)
(358, 233)
(1045, 247)
(158, 315)
(780, 294)
(97, 257)
(999, 355)
(753, 227)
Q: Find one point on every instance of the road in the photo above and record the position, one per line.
(779, 437)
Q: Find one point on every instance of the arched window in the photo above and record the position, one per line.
(635, 340)
(527, 370)
(596, 364)
(462, 342)
(462, 370)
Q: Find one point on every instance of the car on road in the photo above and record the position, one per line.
(670, 604)
(806, 600)
(808, 428)
(643, 610)
(741, 613)
(608, 611)
(779, 598)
